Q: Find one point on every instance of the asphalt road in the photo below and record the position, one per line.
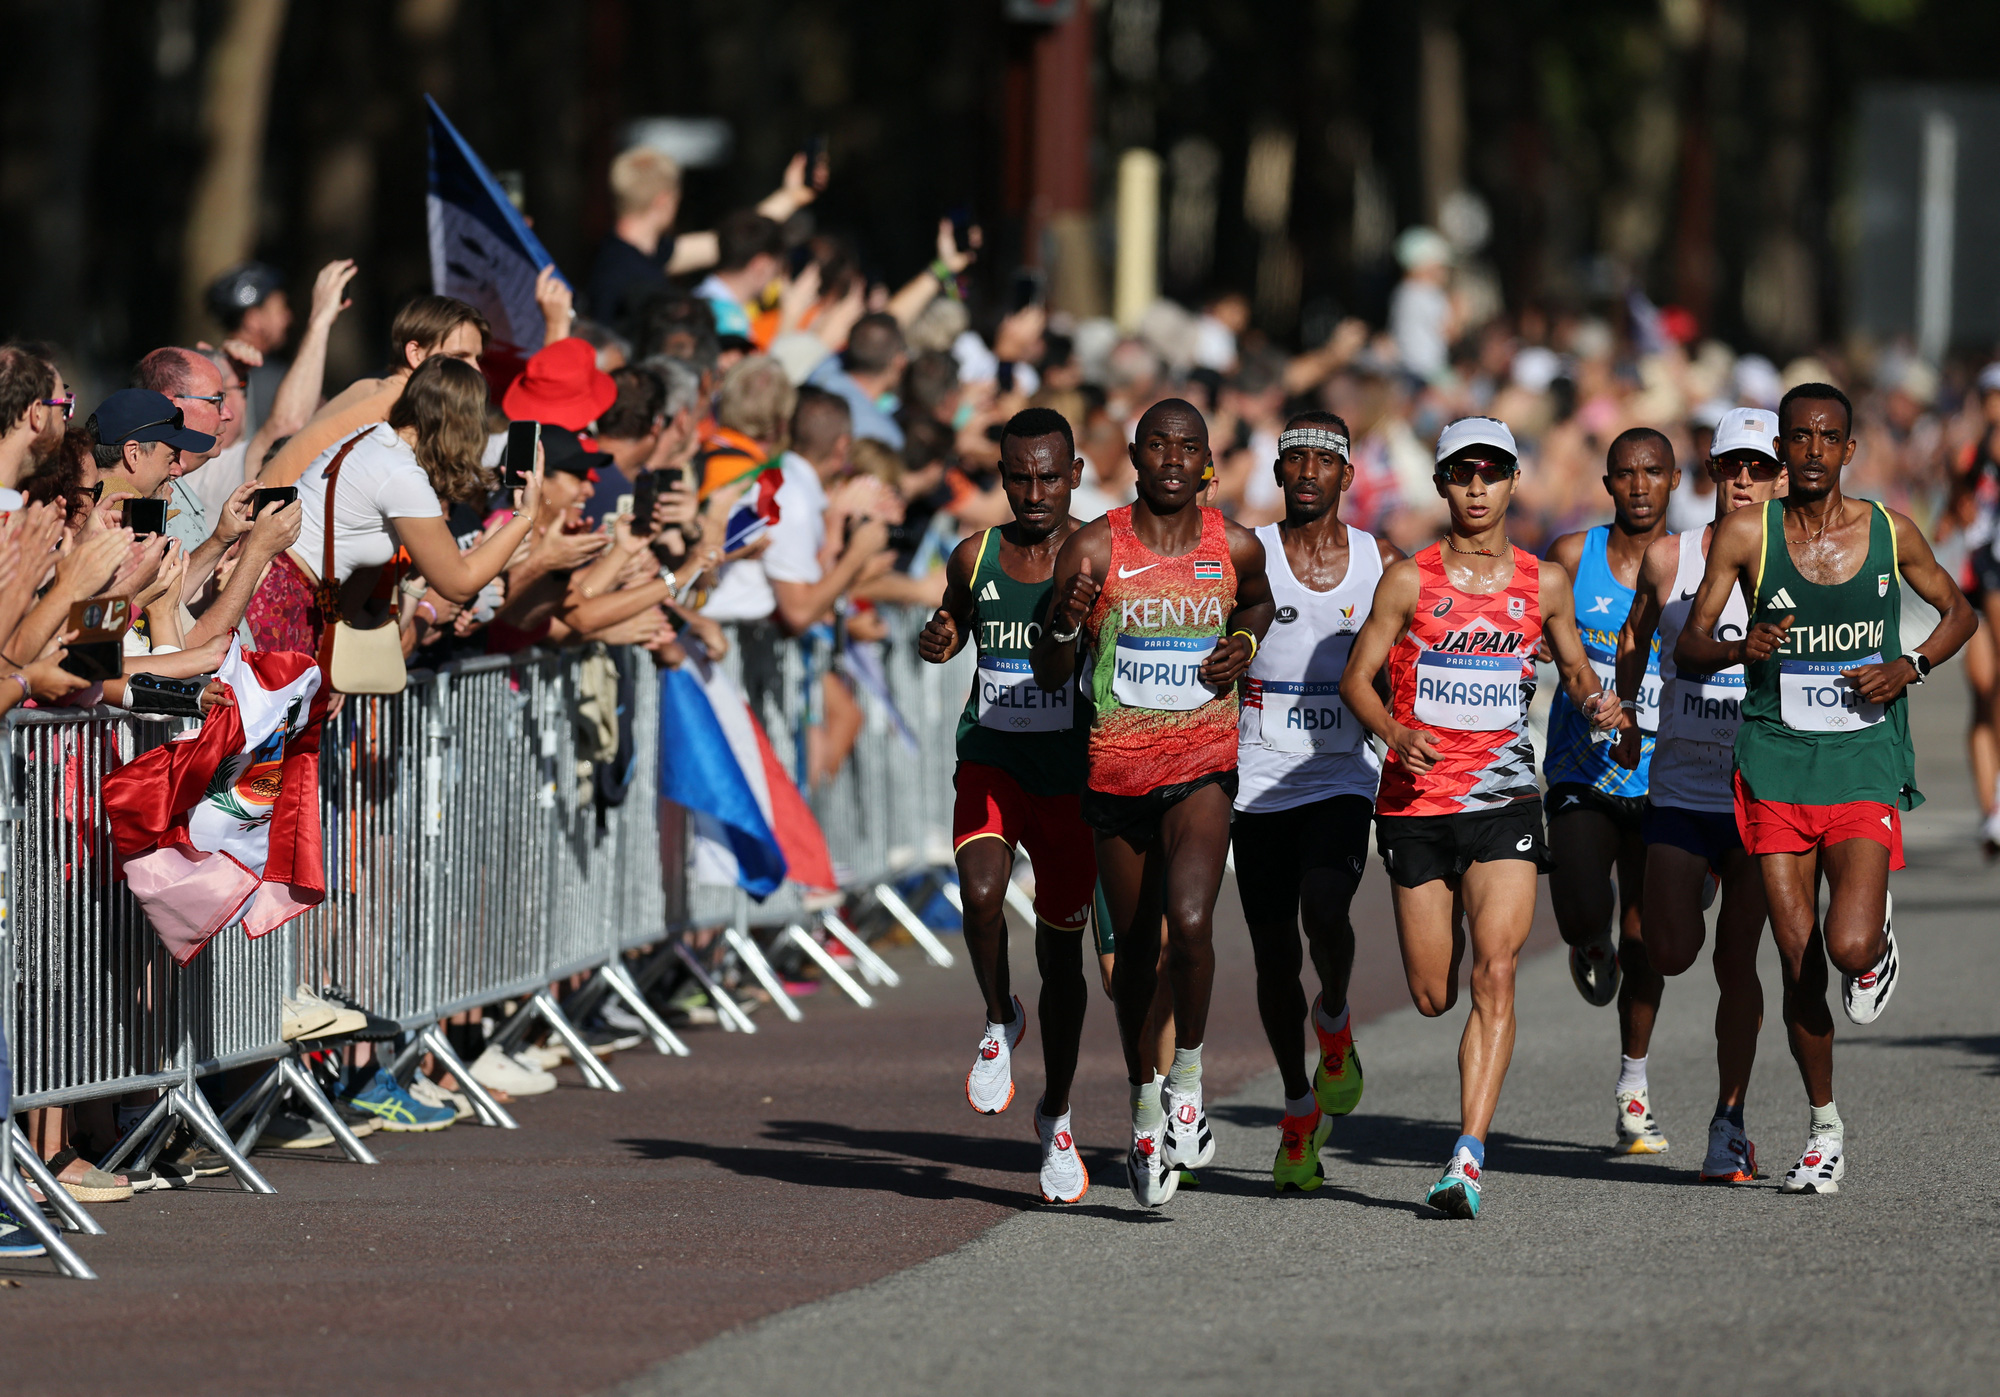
(1586, 1271)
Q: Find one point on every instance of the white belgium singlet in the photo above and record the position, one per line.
(1699, 713)
(1296, 741)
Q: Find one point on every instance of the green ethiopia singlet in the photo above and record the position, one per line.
(1038, 738)
(1806, 739)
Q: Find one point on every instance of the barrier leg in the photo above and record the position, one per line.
(873, 968)
(753, 956)
(253, 1100)
(142, 1143)
(594, 1072)
(829, 965)
(307, 1091)
(726, 1008)
(914, 924)
(36, 1168)
(31, 1217)
(489, 1111)
(261, 1117)
(189, 1104)
(620, 982)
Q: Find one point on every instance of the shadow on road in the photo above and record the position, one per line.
(1978, 1045)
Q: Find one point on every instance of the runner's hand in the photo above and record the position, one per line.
(1415, 748)
(1227, 661)
(1627, 749)
(1608, 715)
(939, 638)
(1765, 640)
(1079, 595)
(1879, 683)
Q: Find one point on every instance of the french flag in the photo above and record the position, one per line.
(751, 825)
(482, 250)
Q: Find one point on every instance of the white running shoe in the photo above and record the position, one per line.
(1638, 1133)
(1152, 1178)
(1064, 1179)
(496, 1071)
(1732, 1159)
(1866, 995)
(1190, 1143)
(1595, 970)
(1820, 1168)
(989, 1086)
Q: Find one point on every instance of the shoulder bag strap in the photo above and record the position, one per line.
(329, 588)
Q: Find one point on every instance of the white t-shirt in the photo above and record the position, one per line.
(800, 531)
(213, 482)
(1418, 313)
(11, 500)
(380, 481)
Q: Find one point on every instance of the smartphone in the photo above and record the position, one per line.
(1027, 288)
(645, 494)
(98, 652)
(145, 516)
(961, 228)
(814, 150)
(519, 461)
(279, 495)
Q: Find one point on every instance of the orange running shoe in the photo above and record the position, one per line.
(1299, 1140)
(1337, 1079)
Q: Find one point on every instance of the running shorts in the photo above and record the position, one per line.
(1568, 797)
(1780, 827)
(992, 805)
(1420, 849)
(1276, 849)
(1707, 834)
(1137, 818)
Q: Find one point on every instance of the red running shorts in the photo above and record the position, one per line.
(992, 805)
(1779, 827)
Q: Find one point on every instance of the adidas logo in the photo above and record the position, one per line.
(990, 592)
(1780, 599)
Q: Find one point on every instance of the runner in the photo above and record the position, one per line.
(1306, 786)
(1974, 510)
(1594, 801)
(1166, 654)
(1689, 826)
(1459, 818)
(1824, 767)
(1020, 769)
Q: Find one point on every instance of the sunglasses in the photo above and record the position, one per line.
(1761, 470)
(1461, 473)
(68, 405)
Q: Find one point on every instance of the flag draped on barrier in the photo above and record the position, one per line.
(482, 250)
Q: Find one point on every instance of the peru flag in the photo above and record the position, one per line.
(223, 824)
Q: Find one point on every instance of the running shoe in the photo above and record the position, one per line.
(1638, 1133)
(1064, 1179)
(1866, 995)
(1595, 970)
(1710, 886)
(1190, 1143)
(989, 1086)
(1456, 1193)
(1299, 1140)
(1820, 1168)
(1153, 1180)
(16, 1240)
(1732, 1159)
(1337, 1079)
(396, 1109)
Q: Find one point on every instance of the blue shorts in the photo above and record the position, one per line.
(1708, 834)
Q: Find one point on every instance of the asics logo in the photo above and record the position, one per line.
(1125, 572)
(1526, 842)
(1442, 607)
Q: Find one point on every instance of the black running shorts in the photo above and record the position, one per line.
(1137, 818)
(1419, 849)
(1569, 797)
(1276, 849)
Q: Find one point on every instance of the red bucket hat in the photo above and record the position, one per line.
(562, 385)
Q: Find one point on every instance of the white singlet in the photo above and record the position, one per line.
(1699, 714)
(1296, 741)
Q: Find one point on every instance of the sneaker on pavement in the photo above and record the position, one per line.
(542, 1057)
(396, 1109)
(1820, 1168)
(16, 1240)
(1190, 1144)
(287, 1130)
(431, 1094)
(1299, 1140)
(616, 1015)
(1595, 970)
(989, 1086)
(360, 1124)
(1866, 995)
(1152, 1178)
(496, 1071)
(162, 1175)
(1063, 1178)
(298, 1019)
(1731, 1158)
(1337, 1079)
(188, 1152)
(345, 1021)
(1638, 1132)
(1456, 1193)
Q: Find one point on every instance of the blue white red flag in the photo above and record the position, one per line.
(482, 250)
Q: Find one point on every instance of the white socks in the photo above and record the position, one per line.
(1826, 1120)
(1329, 1024)
(1185, 1076)
(1631, 1073)
(1146, 1112)
(1299, 1105)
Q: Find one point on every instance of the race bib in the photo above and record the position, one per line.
(1161, 672)
(1011, 701)
(1814, 696)
(1709, 707)
(1472, 693)
(1307, 717)
(1648, 713)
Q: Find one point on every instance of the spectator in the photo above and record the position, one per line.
(139, 438)
(250, 304)
(814, 557)
(203, 391)
(562, 386)
(748, 246)
(31, 403)
(752, 420)
(1420, 312)
(867, 376)
(628, 433)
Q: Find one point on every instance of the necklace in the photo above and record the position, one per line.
(1469, 552)
(1805, 529)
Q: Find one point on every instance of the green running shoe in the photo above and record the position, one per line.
(1297, 1164)
(1337, 1078)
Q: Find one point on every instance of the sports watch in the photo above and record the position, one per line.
(1921, 663)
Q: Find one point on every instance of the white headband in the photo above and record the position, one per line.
(1319, 438)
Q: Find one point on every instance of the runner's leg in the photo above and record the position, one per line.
(1641, 985)
(1739, 1013)
(1130, 877)
(1580, 885)
(1267, 864)
(1499, 901)
(1857, 878)
(1194, 843)
(985, 863)
(1431, 936)
(1064, 1001)
(1791, 890)
(1982, 674)
(1674, 925)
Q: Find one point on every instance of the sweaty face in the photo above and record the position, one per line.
(1038, 474)
(1478, 498)
(1640, 478)
(1815, 441)
(1746, 478)
(1313, 479)
(1171, 456)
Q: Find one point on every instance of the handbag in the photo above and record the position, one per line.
(355, 659)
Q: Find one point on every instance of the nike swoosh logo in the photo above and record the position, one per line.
(1685, 596)
(1125, 572)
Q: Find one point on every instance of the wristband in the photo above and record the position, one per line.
(1629, 705)
(1066, 638)
(27, 691)
(427, 607)
(947, 278)
(1249, 637)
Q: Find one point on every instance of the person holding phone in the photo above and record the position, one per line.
(137, 437)
(389, 494)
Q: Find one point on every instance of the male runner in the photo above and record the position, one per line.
(1824, 767)
(1020, 769)
(1173, 600)
(1689, 825)
(1306, 779)
(1593, 801)
(1459, 818)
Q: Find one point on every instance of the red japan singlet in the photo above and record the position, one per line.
(1465, 673)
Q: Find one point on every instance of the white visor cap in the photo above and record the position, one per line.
(1476, 431)
(1746, 429)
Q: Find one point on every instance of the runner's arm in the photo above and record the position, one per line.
(1956, 619)
(951, 625)
(1566, 647)
(1732, 550)
(1252, 616)
(1360, 683)
(1635, 637)
(1080, 568)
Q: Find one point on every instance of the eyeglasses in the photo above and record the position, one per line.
(213, 399)
(96, 492)
(1728, 468)
(68, 405)
(1461, 472)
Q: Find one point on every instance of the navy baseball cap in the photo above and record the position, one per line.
(140, 414)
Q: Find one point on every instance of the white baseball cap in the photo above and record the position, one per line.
(1989, 378)
(1745, 429)
(1476, 431)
